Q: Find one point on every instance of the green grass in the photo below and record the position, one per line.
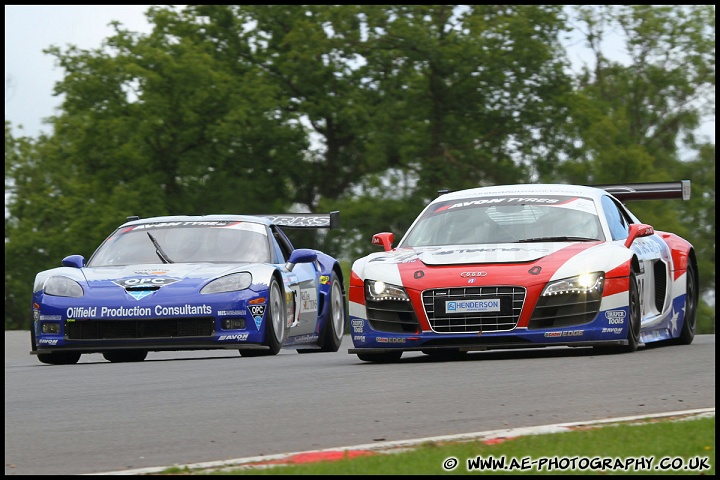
(681, 441)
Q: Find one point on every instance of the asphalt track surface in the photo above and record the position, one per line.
(217, 408)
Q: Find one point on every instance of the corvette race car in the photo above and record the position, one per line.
(519, 266)
(192, 283)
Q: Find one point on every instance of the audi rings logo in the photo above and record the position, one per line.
(473, 274)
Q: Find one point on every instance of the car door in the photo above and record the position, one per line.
(303, 282)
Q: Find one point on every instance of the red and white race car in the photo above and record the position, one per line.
(533, 265)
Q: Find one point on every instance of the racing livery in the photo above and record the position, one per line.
(520, 266)
(192, 283)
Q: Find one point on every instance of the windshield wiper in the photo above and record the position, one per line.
(158, 249)
(558, 239)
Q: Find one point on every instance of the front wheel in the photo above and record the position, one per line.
(275, 323)
(633, 336)
(59, 358)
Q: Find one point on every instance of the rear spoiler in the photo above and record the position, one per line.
(649, 190)
(305, 220)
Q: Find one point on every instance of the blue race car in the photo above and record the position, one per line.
(192, 283)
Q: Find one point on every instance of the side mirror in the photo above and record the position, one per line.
(638, 230)
(77, 261)
(384, 239)
(301, 255)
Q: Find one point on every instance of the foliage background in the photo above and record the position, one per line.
(366, 109)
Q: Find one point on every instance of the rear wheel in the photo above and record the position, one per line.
(385, 357)
(275, 323)
(123, 356)
(687, 333)
(59, 358)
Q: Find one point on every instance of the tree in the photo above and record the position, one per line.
(369, 109)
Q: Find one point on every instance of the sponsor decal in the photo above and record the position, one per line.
(310, 337)
(617, 330)
(308, 299)
(491, 249)
(390, 340)
(615, 317)
(81, 312)
(357, 325)
(359, 338)
(145, 282)
(257, 312)
(473, 274)
(500, 201)
(396, 258)
(232, 312)
(553, 334)
(46, 341)
(324, 279)
(236, 336)
(474, 306)
(573, 333)
(206, 223)
(291, 220)
(139, 294)
(49, 317)
(137, 311)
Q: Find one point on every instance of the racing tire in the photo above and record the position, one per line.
(385, 357)
(687, 332)
(334, 328)
(633, 336)
(275, 323)
(125, 356)
(59, 358)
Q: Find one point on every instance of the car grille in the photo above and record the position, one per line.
(565, 310)
(392, 316)
(511, 302)
(146, 328)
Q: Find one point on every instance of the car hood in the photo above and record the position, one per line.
(174, 270)
(465, 254)
(188, 274)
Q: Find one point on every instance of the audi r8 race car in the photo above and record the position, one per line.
(192, 283)
(519, 266)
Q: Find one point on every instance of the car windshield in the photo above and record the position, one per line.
(185, 242)
(506, 219)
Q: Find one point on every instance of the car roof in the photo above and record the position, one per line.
(200, 218)
(525, 189)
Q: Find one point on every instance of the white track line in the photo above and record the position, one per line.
(398, 444)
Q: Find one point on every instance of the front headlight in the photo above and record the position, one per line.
(61, 286)
(376, 291)
(585, 283)
(229, 283)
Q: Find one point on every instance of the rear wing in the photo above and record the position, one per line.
(305, 220)
(649, 190)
